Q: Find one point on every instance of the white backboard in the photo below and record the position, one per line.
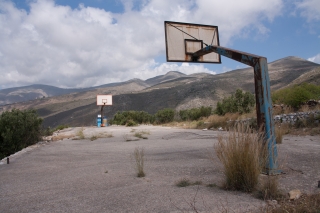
(104, 100)
(183, 39)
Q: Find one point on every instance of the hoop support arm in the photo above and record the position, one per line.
(262, 93)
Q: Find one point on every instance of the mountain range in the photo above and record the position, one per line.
(77, 107)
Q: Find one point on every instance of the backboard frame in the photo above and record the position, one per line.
(104, 100)
(176, 42)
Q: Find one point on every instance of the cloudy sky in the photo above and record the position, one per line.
(83, 43)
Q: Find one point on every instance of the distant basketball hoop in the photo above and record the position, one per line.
(103, 100)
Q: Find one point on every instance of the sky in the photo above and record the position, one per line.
(85, 43)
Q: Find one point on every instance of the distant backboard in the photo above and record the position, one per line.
(183, 39)
(104, 100)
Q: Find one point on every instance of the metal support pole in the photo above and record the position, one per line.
(102, 114)
(263, 96)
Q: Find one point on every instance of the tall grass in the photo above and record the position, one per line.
(242, 154)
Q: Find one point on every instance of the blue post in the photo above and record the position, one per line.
(263, 96)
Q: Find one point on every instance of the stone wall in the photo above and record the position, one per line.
(293, 117)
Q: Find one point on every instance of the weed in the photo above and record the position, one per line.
(269, 189)
(315, 131)
(305, 204)
(80, 134)
(127, 138)
(139, 160)
(281, 130)
(212, 185)
(105, 135)
(140, 135)
(242, 154)
(93, 137)
(61, 127)
(200, 125)
(184, 182)
(197, 182)
(216, 121)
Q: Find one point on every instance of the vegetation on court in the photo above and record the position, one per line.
(243, 157)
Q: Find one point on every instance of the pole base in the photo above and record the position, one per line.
(272, 172)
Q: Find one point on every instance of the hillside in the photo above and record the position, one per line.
(173, 90)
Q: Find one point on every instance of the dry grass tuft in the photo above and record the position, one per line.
(138, 155)
(242, 154)
(93, 137)
(216, 121)
(269, 189)
(80, 134)
(281, 130)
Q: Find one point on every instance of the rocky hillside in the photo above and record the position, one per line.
(173, 90)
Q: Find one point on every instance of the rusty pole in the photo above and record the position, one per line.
(263, 96)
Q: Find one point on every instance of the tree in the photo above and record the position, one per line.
(18, 129)
(241, 102)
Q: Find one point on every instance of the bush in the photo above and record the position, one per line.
(132, 117)
(18, 129)
(243, 157)
(195, 113)
(165, 115)
(239, 102)
(131, 123)
(297, 95)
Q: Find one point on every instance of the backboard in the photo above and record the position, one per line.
(104, 100)
(183, 39)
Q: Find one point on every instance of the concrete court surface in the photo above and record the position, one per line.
(99, 176)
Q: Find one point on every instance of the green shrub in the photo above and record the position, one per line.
(238, 102)
(195, 113)
(131, 123)
(138, 117)
(165, 115)
(296, 95)
(18, 129)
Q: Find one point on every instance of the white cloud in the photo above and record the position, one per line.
(310, 9)
(315, 59)
(57, 45)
